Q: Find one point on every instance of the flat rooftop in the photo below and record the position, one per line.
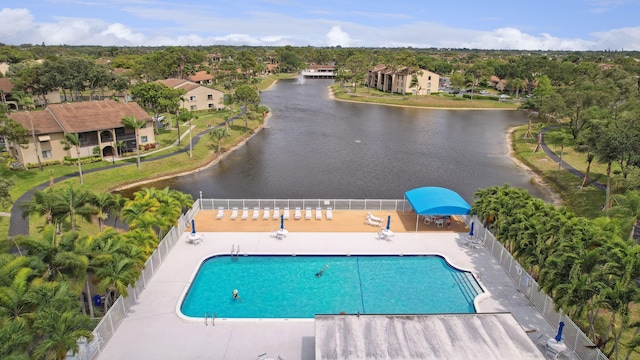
(153, 329)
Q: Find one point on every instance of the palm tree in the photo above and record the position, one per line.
(116, 275)
(219, 134)
(45, 203)
(77, 202)
(627, 205)
(73, 140)
(120, 145)
(130, 122)
(102, 202)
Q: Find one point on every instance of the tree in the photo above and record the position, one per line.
(45, 203)
(219, 134)
(130, 122)
(72, 140)
(184, 116)
(156, 97)
(13, 131)
(5, 195)
(103, 202)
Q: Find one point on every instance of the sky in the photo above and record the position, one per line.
(491, 24)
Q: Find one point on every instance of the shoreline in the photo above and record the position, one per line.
(539, 181)
(204, 167)
(332, 96)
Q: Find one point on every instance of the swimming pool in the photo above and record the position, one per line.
(291, 286)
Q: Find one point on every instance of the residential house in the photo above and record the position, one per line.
(97, 123)
(201, 77)
(400, 80)
(198, 97)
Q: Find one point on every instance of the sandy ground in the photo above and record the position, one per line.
(343, 221)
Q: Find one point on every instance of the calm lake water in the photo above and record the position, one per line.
(317, 148)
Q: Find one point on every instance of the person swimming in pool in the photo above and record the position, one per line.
(236, 296)
(319, 273)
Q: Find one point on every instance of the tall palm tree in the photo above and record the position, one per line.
(77, 202)
(73, 140)
(627, 205)
(130, 122)
(102, 203)
(45, 203)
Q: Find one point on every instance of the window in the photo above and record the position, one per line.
(429, 77)
(144, 139)
(193, 108)
(46, 154)
(192, 98)
(429, 85)
(210, 106)
(209, 97)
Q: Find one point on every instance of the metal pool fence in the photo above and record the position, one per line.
(574, 337)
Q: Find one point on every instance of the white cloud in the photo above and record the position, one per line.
(121, 32)
(336, 37)
(14, 22)
(18, 26)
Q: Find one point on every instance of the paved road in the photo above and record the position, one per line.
(20, 226)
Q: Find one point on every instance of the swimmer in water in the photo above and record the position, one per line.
(319, 273)
(235, 295)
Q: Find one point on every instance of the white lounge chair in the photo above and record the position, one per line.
(266, 215)
(276, 213)
(372, 222)
(234, 213)
(245, 214)
(220, 214)
(298, 214)
(318, 213)
(373, 217)
(307, 213)
(329, 214)
(439, 223)
(286, 214)
(256, 213)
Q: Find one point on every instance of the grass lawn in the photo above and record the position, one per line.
(364, 94)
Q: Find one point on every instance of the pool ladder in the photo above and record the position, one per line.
(213, 319)
(235, 252)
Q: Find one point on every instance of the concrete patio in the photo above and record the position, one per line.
(153, 329)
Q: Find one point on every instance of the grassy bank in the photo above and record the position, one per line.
(587, 201)
(448, 101)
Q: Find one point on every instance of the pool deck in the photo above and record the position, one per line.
(153, 330)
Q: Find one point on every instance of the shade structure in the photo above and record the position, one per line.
(559, 335)
(388, 222)
(281, 221)
(471, 229)
(193, 226)
(433, 200)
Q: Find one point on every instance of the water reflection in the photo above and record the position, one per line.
(314, 147)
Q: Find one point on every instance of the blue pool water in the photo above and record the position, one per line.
(287, 286)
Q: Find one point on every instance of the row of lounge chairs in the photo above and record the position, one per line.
(266, 215)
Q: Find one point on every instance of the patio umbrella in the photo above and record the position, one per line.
(281, 221)
(193, 226)
(388, 222)
(471, 231)
(559, 336)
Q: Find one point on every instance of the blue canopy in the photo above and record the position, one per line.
(433, 200)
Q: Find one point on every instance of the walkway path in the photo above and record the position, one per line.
(553, 156)
(20, 226)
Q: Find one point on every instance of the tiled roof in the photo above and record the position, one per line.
(6, 86)
(43, 121)
(81, 116)
(181, 84)
(200, 76)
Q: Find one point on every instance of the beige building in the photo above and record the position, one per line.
(387, 79)
(198, 97)
(97, 123)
